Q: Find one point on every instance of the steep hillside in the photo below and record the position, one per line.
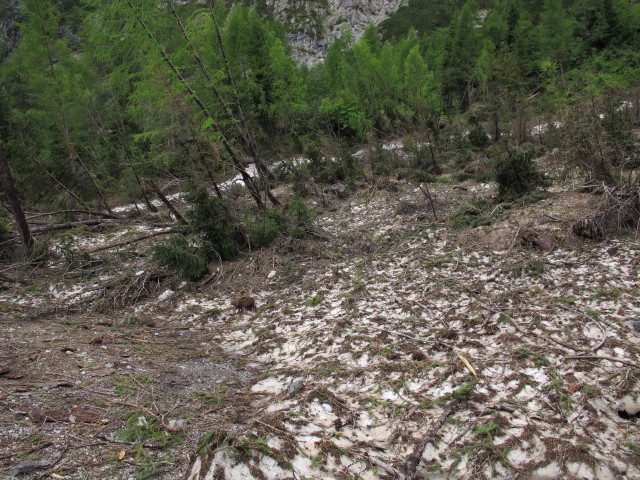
(390, 339)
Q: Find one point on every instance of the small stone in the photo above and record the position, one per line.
(295, 386)
(177, 424)
(29, 466)
(339, 189)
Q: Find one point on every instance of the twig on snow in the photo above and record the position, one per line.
(386, 467)
(603, 357)
(135, 240)
(411, 464)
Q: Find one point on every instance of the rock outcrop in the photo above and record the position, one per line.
(10, 12)
(315, 24)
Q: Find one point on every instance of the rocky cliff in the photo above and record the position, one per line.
(9, 16)
(315, 24)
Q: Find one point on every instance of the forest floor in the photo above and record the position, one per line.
(505, 360)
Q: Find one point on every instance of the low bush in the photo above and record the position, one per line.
(516, 172)
(181, 255)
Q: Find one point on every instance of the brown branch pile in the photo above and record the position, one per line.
(129, 290)
(620, 211)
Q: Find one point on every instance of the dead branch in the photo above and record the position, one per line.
(513, 242)
(427, 194)
(124, 442)
(24, 453)
(386, 467)
(82, 212)
(562, 344)
(603, 357)
(277, 430)
(411, 464)
(621, 210)
(135, 240)
(166, 201)
(68, 226)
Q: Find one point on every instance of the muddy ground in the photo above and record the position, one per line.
(506, 357)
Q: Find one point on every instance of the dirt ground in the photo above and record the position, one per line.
(361, 342)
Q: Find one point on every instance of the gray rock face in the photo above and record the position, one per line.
(10, 12)
(319, 23)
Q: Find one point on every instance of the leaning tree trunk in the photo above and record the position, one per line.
(14, 199)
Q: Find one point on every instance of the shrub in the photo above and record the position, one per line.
(211, 221)
(214, 235)
(299, 213)
(178, 254)
(516, 173)
(472, 215)
(264, 231)
(478, 137)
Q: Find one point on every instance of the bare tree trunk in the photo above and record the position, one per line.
(168, 203)
(14, 199)
(74, 153)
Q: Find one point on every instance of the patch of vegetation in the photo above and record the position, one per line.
(461, 393)
(330, 366)
(476, 214)
(142, 428)
(125, 385)
(76, 259)
(533, 267)
(538, 359)
(181, 255)
(488, 430)
(634, 447)
(131, 320)
(566, 300)
(516, 173)
(213, 234)
(315, 300)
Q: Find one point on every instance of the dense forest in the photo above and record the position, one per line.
(105, 102)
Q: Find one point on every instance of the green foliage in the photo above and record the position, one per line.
(180, 255)
(300, 214)
(5, 227)
(478, 137)
(476, 214)
(89, 96)
(265, 229)
(346, 117)
(424, 17)
(516, 173)
(211, 222)
(211, 236)
(315, 300)
(141, 428)
(462, 392)
(76, 259)
(214, 235)
(487, 430)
